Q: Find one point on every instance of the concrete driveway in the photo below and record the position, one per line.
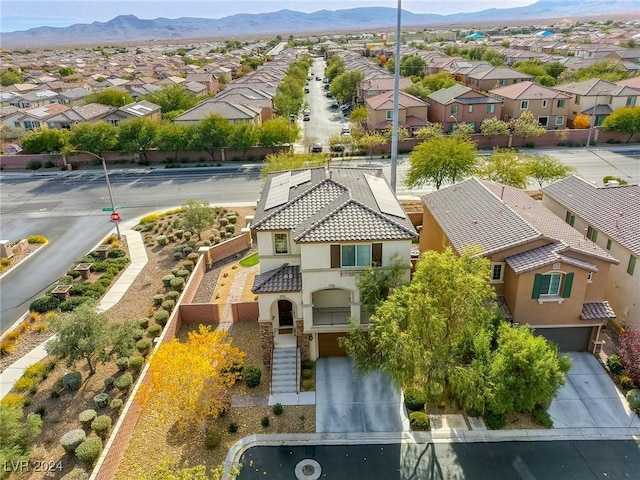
(590, 399)
(349, 402)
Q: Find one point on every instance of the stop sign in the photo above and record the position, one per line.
(115, 216)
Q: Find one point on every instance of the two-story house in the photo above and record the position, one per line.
(461, 104)
(546, 274)
(412, 112)
(610, 217)
(316, 229)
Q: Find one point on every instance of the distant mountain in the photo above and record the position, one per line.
(129, 28)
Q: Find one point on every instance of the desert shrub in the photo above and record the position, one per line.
(12, 400)
(223, 222)
(168, 305)
(143, 323)
(122, 363)
(230, 229)
(172, 295)
(143, 346)
(530, 145)
(152, 217)
(87, 416)
(89, 451)
(116, 253)
(307, 364)
(72, 440)
(154, 331)
(252, 376)
(44, 304)
(77, 473)
(217, 240)
(136, 362)
(542, 417)
(178, 233)
(37, 370)
(232, 218)
(161, 317)
(212, 439)
(116, 404)
(162, 240)
(626, 382)
(73, 273)
(188, 265)
(36, 239)
(72, 303)
(124, 381)
(633, 397)
(72, 380)
(182, 274)
(101, 425)
(277, 409)
(65, 280)
(166, 280)
(178, 283)
(629, 351)
(177, 256)
(108, 383)
(187, 235)
(233, 427)
(495, 420)
(414, 398)
(193, 256)
(26, 384)
(307, 384)
(614, 364)
(101, 400)
(158, 299)
(265, 421)
(307, 373)
(419, 421)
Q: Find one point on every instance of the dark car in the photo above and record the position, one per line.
(337, 148)
(317, 148)
(306, 118)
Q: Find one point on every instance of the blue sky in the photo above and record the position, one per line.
(25, 14)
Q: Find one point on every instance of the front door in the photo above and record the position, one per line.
(285, 314)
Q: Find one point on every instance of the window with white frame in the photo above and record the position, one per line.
(454, 109)
(470, 109)
(543, 121)
(550, 285)
(497, 272)
(592, 234)
(559, 121)
(631, 101)
(577, 100)
(524, 104)
(491, 108)
(590, 277)
(560, 103)
(358, 255)
(389, 114)
(544, 104)
(280, 243)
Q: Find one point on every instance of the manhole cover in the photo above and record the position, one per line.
(308, 469)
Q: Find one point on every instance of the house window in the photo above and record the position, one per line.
(497, 272)
(281, 243)
(552, 285)
(631, 101)
(470, 108)
(454, 109)
(524, 104)
(543, 121)
(632, 265)
(389, 114)
(544, 104)
(590, 277)
(577, 100)
(570, 218)
(503, 83)
(609, 244)
(491, 108)
(560, 104)
(592, 234)
(610, 99)
(559, 121)
(356, 255)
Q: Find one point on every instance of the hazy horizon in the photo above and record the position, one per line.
(26, 14)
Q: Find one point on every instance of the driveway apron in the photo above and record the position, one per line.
(347, 401)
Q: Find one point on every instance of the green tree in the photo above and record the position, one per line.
(505, 166)
(284, 161)
(138, 135)
(110, 96)
(243, 136)
(609, 70)
(286, 105)
(197, 216)
(370, 140)
(96, 138)
(544, 168)
(359, 115)
(47, 140)
(276, 132)
(335, 66)
(211, 134)
(375, 283)
(418, 90)
(526, 126)
(172, 137)
(430, 131)
(345, 86)
(437, 81)
(11, 76)
(412, 65)
(173, 98)
(441, 159)
(624, 120)
(66, 71)
(494, 127)
(17, 435)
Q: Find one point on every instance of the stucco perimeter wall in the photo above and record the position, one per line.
(196, 313)
(228, 248)
(246, 311)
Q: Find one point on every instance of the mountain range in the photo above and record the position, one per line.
(129, 28)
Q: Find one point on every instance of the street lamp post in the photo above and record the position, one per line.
(396, 101)
(106, 177)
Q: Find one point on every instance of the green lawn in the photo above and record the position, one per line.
(250, 260)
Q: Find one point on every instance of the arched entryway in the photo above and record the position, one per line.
(285, 314)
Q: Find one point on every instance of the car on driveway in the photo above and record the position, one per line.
(317, 148)
(306, 117)
(338, 147)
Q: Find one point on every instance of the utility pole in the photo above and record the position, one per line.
(396, 100)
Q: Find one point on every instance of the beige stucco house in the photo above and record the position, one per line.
(315, 230)
(412, 112)
(461, 104)
(610, 217)
(546, 274)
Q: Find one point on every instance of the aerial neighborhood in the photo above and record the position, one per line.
(307, 273)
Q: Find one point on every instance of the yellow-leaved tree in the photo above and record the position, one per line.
(581, 121)
(188, 381)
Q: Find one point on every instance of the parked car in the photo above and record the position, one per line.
(317, 148)
(345, 129)
(345, 107)
(334, 106)
(318, 79)
(338, 147)
(306, 117)
(306, 90)
(306, 111)
(329, 95)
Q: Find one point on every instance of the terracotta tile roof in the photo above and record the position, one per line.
(498, 73)
(543, 256)
(384, 101)
(596, 86)
(527, 91)
(597, 311)
(614, 211)
(286, 278)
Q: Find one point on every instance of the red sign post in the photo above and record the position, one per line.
(115, 216)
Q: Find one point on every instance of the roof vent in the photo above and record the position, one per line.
(612, 183)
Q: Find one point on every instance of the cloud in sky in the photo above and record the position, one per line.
(25, 14)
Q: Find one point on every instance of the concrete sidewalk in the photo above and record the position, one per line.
(138, 256)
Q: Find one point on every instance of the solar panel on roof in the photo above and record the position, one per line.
(278, 191)
(300, 178)
(385, 198)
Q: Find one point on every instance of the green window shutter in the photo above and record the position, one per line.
(568, 282)
(537, 283)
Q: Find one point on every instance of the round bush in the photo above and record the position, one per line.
(278, 409)
(307, 373)
(414, 398)
(232, 428)
(626, 383)
(187, 250)
(168, 305)
(633, 397)
(178, 283)
(232, 218)
(101, 400)
(44, 304)
(614, 364)
(193, 257)
(166, 280)
(419, 421)
(158, 299)
(188, 265)
(177, 256)
(136, 363)
(212, 439)
(108, 383)
(143, 323)
(161, 317)
(230, 229)
(162, 240)
(252, 376)
(89, 451)
(72, 440)
(116, 404)
(223, 221)
(172, 295)
(101, 425)
(182, 274)
(124, 381)
(65, 280)
(187, 236)
(77, 473)
(154, 331)
(495, 421)
(307, 384)
(116, 253)
(87, 416)
(72, 380)
(307, 364)
(265, 421)
(217, 240)
(122, 363)
(143, 346)
(72, 303)
(179, 234)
